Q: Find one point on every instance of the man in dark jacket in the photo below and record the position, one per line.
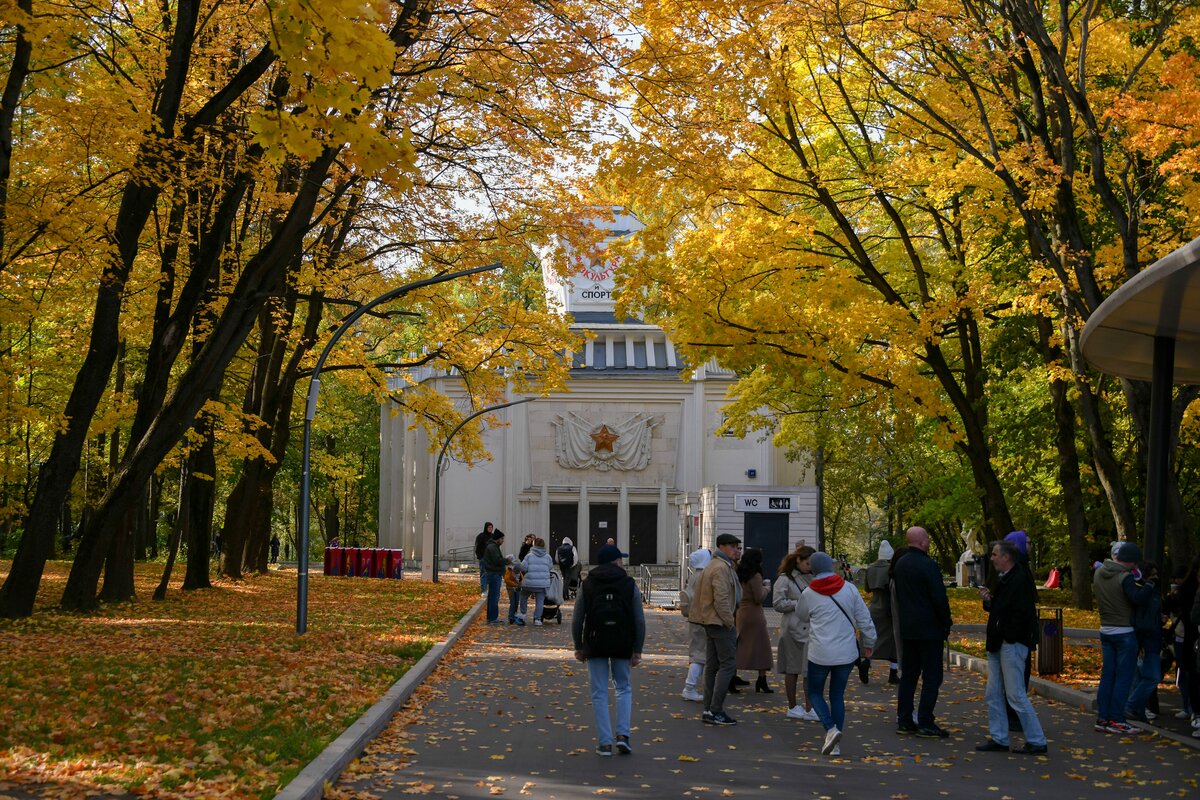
(481, 542)
(609, 630)
(1011, 631)
(493, 565)
(924, 612)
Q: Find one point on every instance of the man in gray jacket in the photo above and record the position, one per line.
(1117, 592)
(714, 606)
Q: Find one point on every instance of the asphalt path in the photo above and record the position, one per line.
(507, 713)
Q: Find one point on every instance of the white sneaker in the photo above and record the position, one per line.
(1182, 714)
(1195, 721)
(691, 694)
(836, 751)
(1196, 734)
(797, 712)
(1150, 714)
(537, 622)
(832, 737)
(812, 716)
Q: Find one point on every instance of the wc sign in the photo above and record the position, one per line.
(775, 504)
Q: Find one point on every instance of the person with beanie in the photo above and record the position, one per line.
(1020, 540)
(836, 615)
(1117, 594)
(925, 624)
(697, 641)
(879, 583)
(609, 630)
(494, 563)
(1011, 628)
(795, 574)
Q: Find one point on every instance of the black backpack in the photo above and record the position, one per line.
(566, 556)
(608, 618)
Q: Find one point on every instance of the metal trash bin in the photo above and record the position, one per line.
(1050, 641)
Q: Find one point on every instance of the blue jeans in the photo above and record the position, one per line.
(482, 577)
(1119, 651)
(598, 671)
(833, 713)
(494, 579)
(919, 659)
(1147, 676)
(1006, 687)
(514, 595)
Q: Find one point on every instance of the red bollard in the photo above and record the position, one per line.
(332, 562)
(350, 561)
(366, 562)
(399, 564)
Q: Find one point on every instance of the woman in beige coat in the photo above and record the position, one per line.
(794, 576)
(754, 641)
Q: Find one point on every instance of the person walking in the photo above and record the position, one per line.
(493, 565)
(275, 548)
(753, 639)
(1011, 631)
(536, 568)
(1116, 591)
(879, 583)
(697, 641)
(1147, 628)
(567, 558)
(482, 539)
(795, 574)
(718, 594)
(925, 625)
(609, 631)
(836, 615)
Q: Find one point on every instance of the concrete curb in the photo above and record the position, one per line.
(326, 767)
(1065, 694)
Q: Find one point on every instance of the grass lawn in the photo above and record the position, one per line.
(209, 693)
(965, 607)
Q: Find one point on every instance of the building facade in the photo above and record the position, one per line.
(631, 452)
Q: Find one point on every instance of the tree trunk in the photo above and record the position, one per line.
(203, 377)
(1068, 467)
(201, 499)
(57, 473)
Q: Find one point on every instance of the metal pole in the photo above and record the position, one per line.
(437, 479)
(310, 410)
(1158, 454)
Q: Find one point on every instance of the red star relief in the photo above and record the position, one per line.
(604, 439)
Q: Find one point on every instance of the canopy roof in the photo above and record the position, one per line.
(1161, 300)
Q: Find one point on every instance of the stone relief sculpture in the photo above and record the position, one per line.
(580, 443)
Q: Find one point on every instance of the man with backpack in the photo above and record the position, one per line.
(609, 630)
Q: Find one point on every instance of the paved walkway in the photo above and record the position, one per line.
(507, 713)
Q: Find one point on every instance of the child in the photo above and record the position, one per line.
(512, 582)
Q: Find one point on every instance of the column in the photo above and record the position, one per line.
(583, 526)
(544, 514)
(669, 547)
(622, 535)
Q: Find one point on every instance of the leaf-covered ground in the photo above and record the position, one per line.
(209, 693)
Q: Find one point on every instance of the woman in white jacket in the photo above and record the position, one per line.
(794, 576)
(836, 614)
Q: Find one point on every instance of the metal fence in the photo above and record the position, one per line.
(659, 583)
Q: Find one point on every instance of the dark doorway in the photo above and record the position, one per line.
(643, 534)
(769, 533)
(602, 526)
(564, 521)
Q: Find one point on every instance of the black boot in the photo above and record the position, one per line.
(733, 687)
(893, 676)
(864, 669)
(761, 685)
(738, 681)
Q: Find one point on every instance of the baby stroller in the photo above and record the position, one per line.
(551, 605)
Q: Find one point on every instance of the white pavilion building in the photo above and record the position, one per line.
(631, 452)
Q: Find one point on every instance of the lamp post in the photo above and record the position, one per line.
(310, 411)
(437, 478)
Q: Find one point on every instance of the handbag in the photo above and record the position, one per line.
(853, 627)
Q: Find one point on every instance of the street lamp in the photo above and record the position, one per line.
(437, 478)
(310, 411)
